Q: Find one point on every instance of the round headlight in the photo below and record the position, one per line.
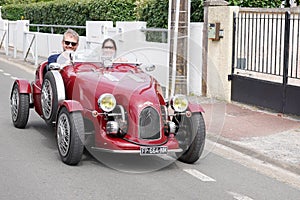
(179, 103)
(107, 102)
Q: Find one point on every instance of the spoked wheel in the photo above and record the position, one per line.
(191, 137)
(19, 104)
(70, 132)
(50, 96)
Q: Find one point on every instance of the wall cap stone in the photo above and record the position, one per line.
(216, 3)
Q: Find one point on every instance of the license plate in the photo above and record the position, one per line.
(153, 150)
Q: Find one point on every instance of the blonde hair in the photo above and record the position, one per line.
(71, 32)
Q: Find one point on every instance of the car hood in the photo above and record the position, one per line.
(132, 90)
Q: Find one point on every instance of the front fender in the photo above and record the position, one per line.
(24, 86)
(193, 107)
(60, 87)
(71, 105)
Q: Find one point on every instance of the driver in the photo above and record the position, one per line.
(70, 42)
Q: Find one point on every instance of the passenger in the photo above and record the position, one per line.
(109, 49)
(70, 42)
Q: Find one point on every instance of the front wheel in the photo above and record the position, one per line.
(53, 91)
(191, 137)
(70, 128)
(19, 105)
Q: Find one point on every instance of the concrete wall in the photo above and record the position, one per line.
(219, 53)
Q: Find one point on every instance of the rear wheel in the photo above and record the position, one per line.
(19, 104)
(70, 129)
(191, 137)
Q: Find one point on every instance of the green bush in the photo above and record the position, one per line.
(256, 3)
(10, 2)
(13, 12)
(154, 12)
(66, 12)
(58, 13)
(197, 11)
(111, 10)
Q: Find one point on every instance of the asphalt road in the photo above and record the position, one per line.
(31, 168)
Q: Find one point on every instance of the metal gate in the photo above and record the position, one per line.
(266, 60)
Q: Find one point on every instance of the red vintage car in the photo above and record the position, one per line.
(118, 106)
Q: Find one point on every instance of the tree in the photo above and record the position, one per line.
(288, 3)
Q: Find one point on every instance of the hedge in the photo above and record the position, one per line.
(77, 12)
(72, 12)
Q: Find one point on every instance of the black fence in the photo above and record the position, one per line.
(266, 42)
(266, 60)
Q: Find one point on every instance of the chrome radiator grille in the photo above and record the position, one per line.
(149, 124)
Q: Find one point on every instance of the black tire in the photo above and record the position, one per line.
(69, 135)
(195, 133)
(49, 99)
(19, 104)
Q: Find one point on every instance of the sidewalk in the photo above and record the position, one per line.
(271, 137)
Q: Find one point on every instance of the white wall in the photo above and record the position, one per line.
(11, 27)
(195, 60)
(4, 34)
(129, 38)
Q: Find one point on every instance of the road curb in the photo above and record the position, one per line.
(255, 154)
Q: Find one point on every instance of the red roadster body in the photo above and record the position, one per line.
(118, 105)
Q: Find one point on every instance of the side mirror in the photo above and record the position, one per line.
(150, 68)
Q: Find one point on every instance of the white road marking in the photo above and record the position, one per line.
(239, 196)
(166, 157)
(199, 175)
(8, 74)
(253, 163)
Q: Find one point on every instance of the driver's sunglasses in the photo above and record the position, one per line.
(72, 43)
